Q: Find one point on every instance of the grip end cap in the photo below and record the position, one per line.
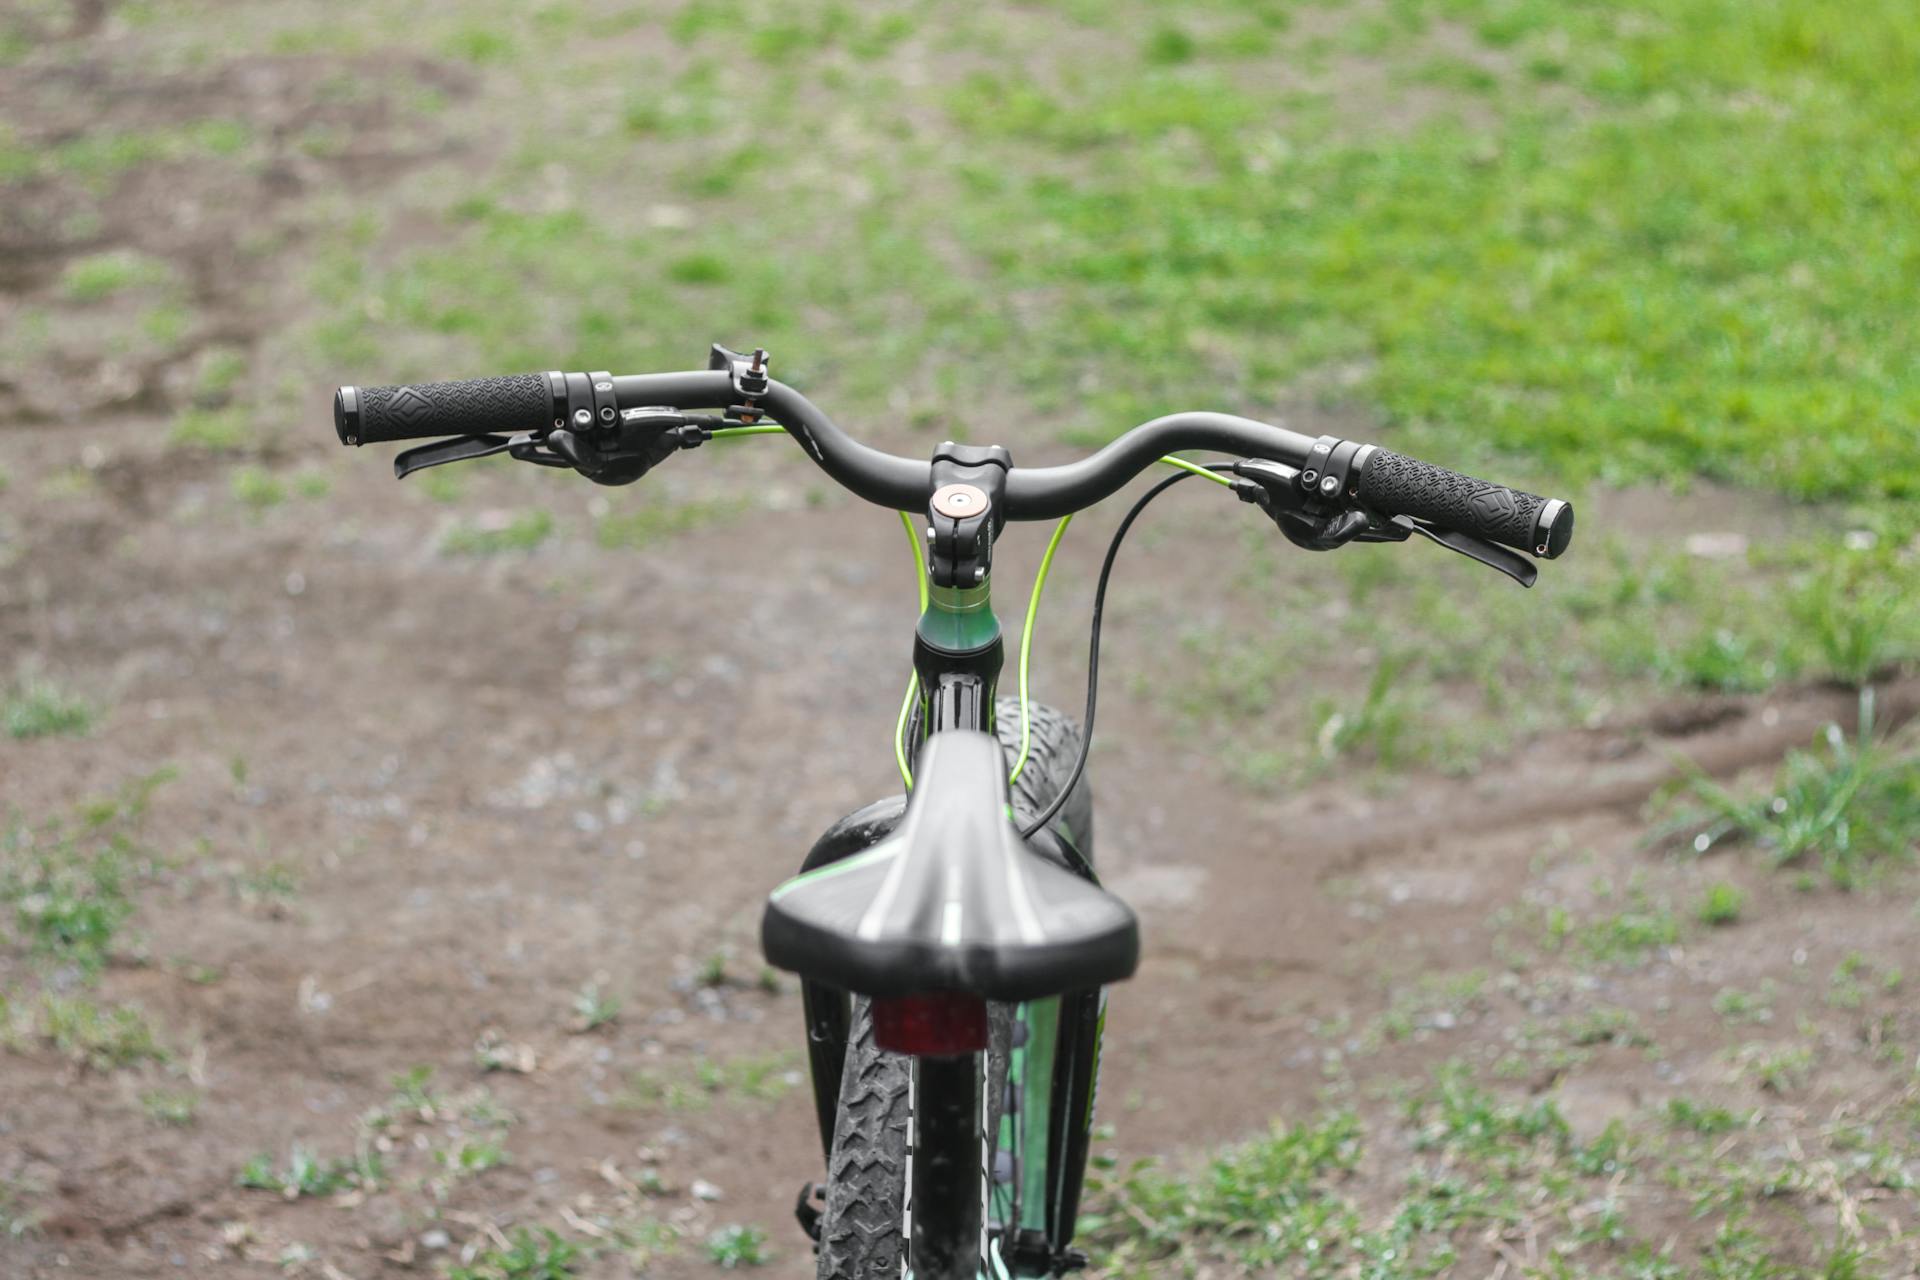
(346, 414)
(1553, 529)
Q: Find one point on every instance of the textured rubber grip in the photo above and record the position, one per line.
(1401, 486)
(477, 406)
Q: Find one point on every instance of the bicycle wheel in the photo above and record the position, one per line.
(861, 1227)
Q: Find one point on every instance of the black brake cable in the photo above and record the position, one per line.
(1093, 652)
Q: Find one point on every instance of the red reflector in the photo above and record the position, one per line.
(937, 1024)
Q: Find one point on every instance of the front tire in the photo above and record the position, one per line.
(861, 1227)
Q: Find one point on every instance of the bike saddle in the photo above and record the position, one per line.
(953, 900)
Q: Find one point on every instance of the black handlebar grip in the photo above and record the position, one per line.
(1401, 486)
(476, 406)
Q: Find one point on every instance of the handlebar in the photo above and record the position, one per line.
(534, 404)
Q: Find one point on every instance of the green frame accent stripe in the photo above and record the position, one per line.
(1026, 644)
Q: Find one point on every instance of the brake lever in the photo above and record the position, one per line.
(1511, 563)
(441, 452)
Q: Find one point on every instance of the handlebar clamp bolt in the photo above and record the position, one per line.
(606, 413)
(583, 417)
(1329, 485)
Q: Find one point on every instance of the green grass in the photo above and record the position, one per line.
(1721, 904)
(97, 159)
(1849, 807)
(1430, 1191)
(102, 1037)
(594, 1008)
(175, 1108)
(212, 430)
(1709, 1121)
(101, 275)
(523, 531)
(530, 1254)
(17, 1221)
(749, 1078)
(306, 1174)
(657, 522)
(258, 488)
(42, 709)
(1628, 937)
(472, 1157)
(70, 884)
(1613, 291)
(735, 1246)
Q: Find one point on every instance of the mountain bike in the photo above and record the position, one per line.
(954, 943)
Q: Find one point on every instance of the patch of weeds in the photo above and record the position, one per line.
(1437, 1002)
(258, 488)
(69, 483)
(270, 888)
(1255, 1206)
(212, 430)
(479, 44)
(101, 275)
(1460, 1116)
(632, 530)
(413, 1091)
(594, 1008)
(445, 485)
(1708, 1121)
(471, 1158)
(1724, 660)
(530, 1254)
(104, 1038)
(1720, 904)
(1455, 73)
(219, 372)
(751, 1077)
(642, 1240)
(1169, 46)
(1607, 1024)
(312, 484)
(17, 1221)
(1777, 1069)
(735, 1246)
(1627, 937)
(494, 1052)
(1845, 990)
(698, 268)
(39, 708)
(1847, 808)
(1381, 724)
(306, 1174)
(1736, 1006)
(177, 1108)
(713, 971)
(70, 885)
(523, 531)
(1857, 612)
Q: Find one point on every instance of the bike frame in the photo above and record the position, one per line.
(1321, 493)
(960, 1223)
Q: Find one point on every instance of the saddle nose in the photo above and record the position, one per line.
(953, 900)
